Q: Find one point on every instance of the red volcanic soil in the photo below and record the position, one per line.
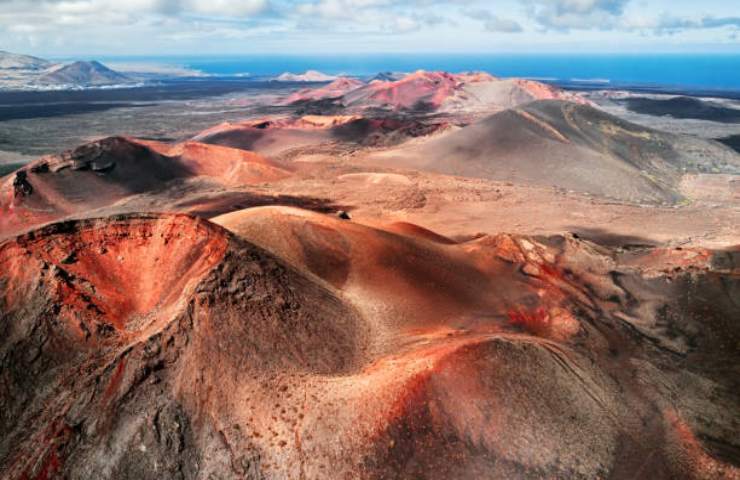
(112, 333)
(335, 89)
(102, 173)
(95, 272)
(276, 342)
(438, 91)
(277, 136)
(385, 265)
(228, 166)
(306, 346)
(542, 91)
(411, 230)
(418, 89)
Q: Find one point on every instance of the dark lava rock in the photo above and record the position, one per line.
(21, 185)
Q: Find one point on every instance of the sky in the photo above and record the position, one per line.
(225, 27)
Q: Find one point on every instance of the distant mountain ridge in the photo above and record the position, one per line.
(25, 72)
(388, 76)
(572, 146)
(308, 76)
(431, 91)
(84, 74)
(15, 61)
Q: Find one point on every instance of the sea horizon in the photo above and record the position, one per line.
(710, 71)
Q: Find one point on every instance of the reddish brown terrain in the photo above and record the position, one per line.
(103, 173)
(431, 92)
(432, 279)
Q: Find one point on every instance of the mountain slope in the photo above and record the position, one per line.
(335, 89)
(14, 61)
(83, 74)
(570, 146)
(105, 172)
(308, 76)
(424, 91)
(277, 135)
(151, 346)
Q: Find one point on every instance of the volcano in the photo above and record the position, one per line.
(83, 74)
(105, 172)
(438, 276)
(14, 61)
(276, 137)
(335, 89)
(424, 91)
(572, 146)
(300, 350)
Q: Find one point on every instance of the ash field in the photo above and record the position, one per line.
(430, 275)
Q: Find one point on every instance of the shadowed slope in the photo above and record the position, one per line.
(280, 135)
(101, 173)
(570, 146)
(268, 137)
(580, 307)
(118, 366)
(414, 279)
(684, 107)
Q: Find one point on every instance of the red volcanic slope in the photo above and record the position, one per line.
(104, 172)
(543, 91)
(275, 136)
(549, 358)
(231, 167)
(263, 126)
(388, 267)
(431, 88)
(411, 230)
(131, 316)
(442, 91)
(335, 89)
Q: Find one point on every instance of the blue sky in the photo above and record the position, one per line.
(197, 27)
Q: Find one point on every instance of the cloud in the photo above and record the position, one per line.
(671, 25)
(122, 26)
(225, 8)
(367, 16)
(577, 14)
(221, 8)
(494, 23)
(566, 15)
(667, 24)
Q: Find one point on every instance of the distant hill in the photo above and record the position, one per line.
(22, 72)
(684, 107)
(334, 90)
(571, 146)
(14, 61)
(388, 76)
(424, 91)
(83, 74)
(309, 76)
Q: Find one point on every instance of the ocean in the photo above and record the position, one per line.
(679, 71)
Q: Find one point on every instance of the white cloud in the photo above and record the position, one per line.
(379, 16)
(494, 23)
(164, 26)
(229, 8)
(577, 14)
